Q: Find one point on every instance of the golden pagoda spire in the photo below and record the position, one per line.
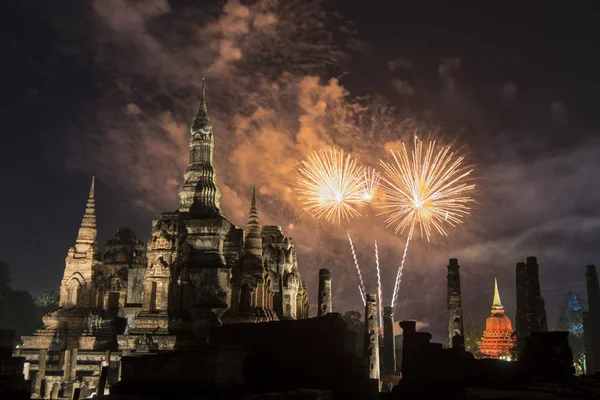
(497, 307)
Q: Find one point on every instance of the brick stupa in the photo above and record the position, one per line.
(497, 338)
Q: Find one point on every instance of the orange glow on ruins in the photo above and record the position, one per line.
(497, 338)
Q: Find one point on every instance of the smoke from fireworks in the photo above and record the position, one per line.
(329, 185)
(427, 185)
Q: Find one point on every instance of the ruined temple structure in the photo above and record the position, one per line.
(324, 297)
(372, 337)
(498, 340)
(531, 309)
(197, 271)
(592, 321)
(544, 372)
(455, 315)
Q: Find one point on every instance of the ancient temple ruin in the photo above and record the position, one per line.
(197, 271)
(531, 309)
(455, 315)
(592, 321)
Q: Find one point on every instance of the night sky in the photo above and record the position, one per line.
(109, 88)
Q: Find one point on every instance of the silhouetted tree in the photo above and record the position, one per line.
(47, 301)
(18, 310)
(570, 318)
(355, 323)
(473, 334)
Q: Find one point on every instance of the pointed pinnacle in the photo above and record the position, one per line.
(253, 204)
(92, 188)
(203, 96)
(497, 302)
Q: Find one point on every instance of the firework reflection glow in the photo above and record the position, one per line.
(426, 187)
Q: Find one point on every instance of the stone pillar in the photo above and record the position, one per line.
(102, 381)
(455, 316)
(26, 370)
(55, 390)
(325, 306)
(41, 375)
(76, 393)
(74, 364)
(535, 302)
(67, 366)
(389, 356)
(523, 327)
(593, 295)
(409, 331)
(372, 336)
(588, 343)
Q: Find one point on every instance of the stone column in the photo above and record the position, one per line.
(588, 343)
(55, 390)
(26, 370)
(523, 328)
(325, 306)
(41, 375)
(593, 295)
(74, 364)
(389, 356)
(372, 336)
(67, 366)
(455, 316)
(102, 381)
(535, 302)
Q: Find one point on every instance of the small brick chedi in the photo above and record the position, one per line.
(497, 338)
(198, 270)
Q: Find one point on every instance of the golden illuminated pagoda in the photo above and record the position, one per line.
(497, 338)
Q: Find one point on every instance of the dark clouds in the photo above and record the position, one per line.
(276, 92)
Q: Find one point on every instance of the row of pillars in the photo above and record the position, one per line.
(371, 327)
(68, 358)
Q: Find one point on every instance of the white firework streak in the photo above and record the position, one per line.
(379, 292)
(362, 284)
(362, 295)
(399, 274)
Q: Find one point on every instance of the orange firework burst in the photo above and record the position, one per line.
(329, 185)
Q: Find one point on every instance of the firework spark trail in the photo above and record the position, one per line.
(379, 292)
(361, 287)
(329, 185)
(400, 268)
(425, 186)
(362, 295)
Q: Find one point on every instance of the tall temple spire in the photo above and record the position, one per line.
(253, 228)
(253, 242)
(88, 232)
(199, 194)
(497, 307)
